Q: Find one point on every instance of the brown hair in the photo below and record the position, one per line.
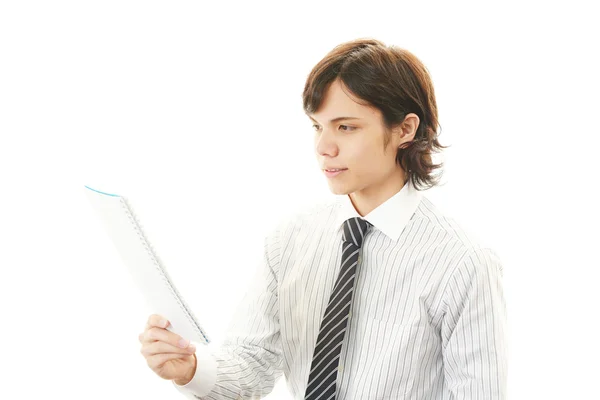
(394, 81)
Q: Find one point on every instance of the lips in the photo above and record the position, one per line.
(333, 172)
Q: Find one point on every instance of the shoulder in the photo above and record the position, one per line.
(465, 244)
(312, 218)
(447, 225)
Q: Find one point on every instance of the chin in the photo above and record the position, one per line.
(340, 189)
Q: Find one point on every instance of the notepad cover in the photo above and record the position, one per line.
(142, 262)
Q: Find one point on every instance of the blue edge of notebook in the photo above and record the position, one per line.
(108, 194)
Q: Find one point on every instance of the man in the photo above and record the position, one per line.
(376, 295)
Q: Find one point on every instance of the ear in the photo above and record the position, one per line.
(406, 131)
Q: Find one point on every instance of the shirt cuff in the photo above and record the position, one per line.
(205, 377)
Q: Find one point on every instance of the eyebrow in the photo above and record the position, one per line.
(335, 119)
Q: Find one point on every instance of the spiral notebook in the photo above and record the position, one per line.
(146, 269)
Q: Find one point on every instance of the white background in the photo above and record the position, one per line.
(194, 113)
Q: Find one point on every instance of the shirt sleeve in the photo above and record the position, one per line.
(205, 376)
(249, 361)
(474, 328)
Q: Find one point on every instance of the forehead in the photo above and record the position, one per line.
(338, 101)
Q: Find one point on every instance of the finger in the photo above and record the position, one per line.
(156, 320)
(160, 334)
(142, 338)
(152, 349)
(159, 359)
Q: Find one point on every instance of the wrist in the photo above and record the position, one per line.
(189, 376)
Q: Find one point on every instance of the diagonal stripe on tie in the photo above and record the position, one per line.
(323, 372)
(333, 328)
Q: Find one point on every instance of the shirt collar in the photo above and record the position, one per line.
(390, 217)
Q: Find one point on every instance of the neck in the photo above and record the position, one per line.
(371, 197)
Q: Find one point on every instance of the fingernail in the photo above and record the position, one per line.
(183, 343)
(163, 323)
(192, 348)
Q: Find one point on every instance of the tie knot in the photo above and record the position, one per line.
(355, 230)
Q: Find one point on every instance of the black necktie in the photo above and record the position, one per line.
(324, 367)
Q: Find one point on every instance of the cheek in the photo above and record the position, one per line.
(373, 164)
(366, 164)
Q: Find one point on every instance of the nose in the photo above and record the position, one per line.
(325, 144)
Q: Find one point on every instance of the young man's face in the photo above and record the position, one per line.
(356, 146)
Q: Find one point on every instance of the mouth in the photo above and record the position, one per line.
(330, 173)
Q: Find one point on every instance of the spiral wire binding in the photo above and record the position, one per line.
(164, 275)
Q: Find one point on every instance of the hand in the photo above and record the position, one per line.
(165, 354)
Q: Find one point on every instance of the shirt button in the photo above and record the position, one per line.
(349, 314)
(358, 258)
(340, 368)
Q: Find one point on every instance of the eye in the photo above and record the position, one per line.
(347, 128)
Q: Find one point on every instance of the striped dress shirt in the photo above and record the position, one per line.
(428, 318)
